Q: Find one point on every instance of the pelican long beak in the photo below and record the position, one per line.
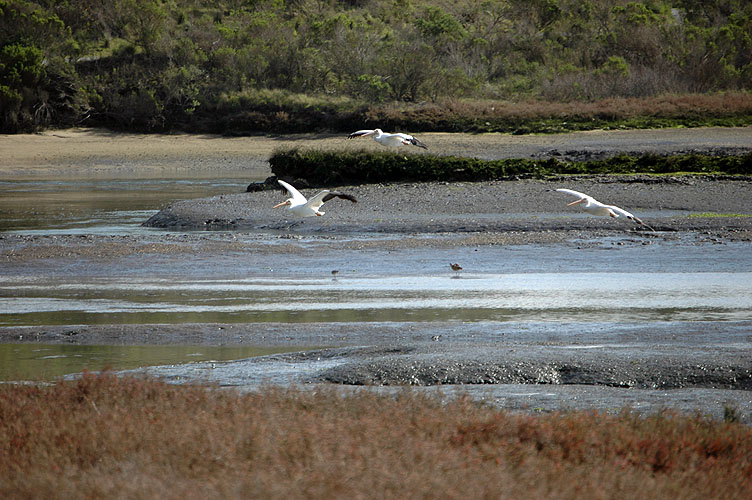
(286, 202)
(576, 202)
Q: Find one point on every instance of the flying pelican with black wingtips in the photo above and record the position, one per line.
(387, 139)
(595, 207)
(299, 205)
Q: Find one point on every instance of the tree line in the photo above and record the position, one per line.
(250, 65)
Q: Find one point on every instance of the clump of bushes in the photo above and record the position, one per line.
(319, 167)
(326, 168)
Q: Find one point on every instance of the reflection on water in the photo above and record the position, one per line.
(47, 361)
(116, 222)
(560, 297)
(112, 205)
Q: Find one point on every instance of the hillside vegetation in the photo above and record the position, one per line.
(239, 66)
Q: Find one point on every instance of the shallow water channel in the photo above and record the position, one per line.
(105, 207)
(543, 296)
(109, 206)
(611, 281)
(49, 361)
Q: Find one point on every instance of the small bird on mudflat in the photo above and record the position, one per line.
(455, 267)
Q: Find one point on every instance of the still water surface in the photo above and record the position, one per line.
(99, 206)
(47, 362)
(113, 206)
(558, 297)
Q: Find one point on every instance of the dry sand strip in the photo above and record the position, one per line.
(84, 152)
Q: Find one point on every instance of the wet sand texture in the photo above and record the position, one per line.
(481, 207)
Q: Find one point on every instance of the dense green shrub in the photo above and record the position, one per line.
(37, 84)
(328, 168)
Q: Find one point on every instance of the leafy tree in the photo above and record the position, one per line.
(21, 72)
(36, 82)
(157, 64)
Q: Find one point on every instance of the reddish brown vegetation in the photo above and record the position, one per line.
(701, 107)
(106, 437)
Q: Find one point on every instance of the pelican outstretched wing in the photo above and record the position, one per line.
(326, 195)
(620, 211)
(576, 193)
(416, 142)
(338, 194)
(297, 198)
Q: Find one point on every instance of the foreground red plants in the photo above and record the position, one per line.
(109, 437)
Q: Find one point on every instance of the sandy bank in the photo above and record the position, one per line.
(499, 206)
(100, 153)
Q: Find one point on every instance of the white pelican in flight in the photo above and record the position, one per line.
(595, 207)
(387, 139)
(302, 207)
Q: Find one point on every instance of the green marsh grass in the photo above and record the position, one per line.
(713, 214)
(320, 168)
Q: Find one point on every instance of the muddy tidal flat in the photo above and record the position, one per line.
(553, 309)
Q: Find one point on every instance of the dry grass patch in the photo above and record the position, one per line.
(536, 116)
(669, 105)
(104, 436)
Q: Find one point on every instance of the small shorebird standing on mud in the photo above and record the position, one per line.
(299, 205)
(595, 207)
(387, 139)
(456, 268)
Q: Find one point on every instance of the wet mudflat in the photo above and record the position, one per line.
(553, 309)
(617, 280)
(588, 322)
